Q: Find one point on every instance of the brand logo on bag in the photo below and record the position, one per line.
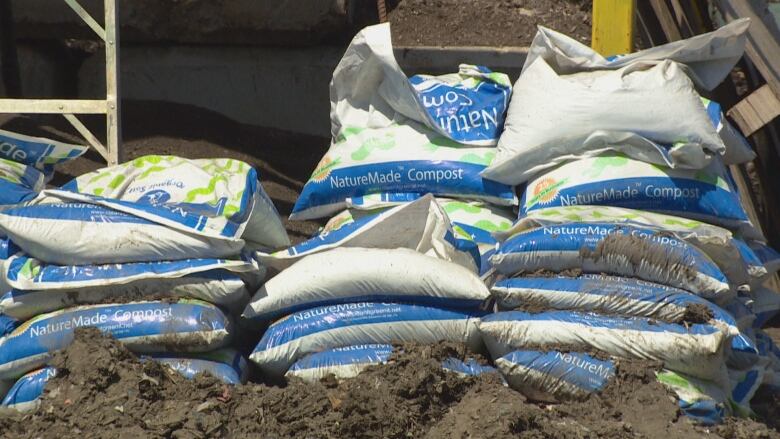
(155, 197)
(545, 191)
(323, 169)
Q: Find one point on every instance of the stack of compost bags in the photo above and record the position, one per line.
(631, 241)
(150, 251)
(340, 300)
(397, 265)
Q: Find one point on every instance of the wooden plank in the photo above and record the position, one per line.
(756, 110)
(668, 23)
(613, 26)
(746, 195)
(681, 18)
(52, 106)
(762, 45)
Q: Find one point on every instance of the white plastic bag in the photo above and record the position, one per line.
(718, 243)
(39, 288)
(467, 107)
(629, 251)
(214, 196)
(346, 275)
(607, 295)
(652, 114)
(327, 327)
(612, 179)
(707, 58)
(184, 326)
(393, 134)
(68, 229)
(696, 350)
(421, 225)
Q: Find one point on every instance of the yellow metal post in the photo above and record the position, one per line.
(613, 26)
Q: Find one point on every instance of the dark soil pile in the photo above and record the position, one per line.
(103, 391)
(485, 22)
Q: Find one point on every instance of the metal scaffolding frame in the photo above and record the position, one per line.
(69, 108)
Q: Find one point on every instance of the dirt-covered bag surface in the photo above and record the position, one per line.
(103, 391)
(341, 363)
(155, 326)
(614, 249)
(37, 287)
(695, 349)
(612, 295)
(326, 327)
(718, 243)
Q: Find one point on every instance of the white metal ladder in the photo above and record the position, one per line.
(69, 108)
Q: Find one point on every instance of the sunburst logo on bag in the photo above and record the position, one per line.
(323, 169)
(545, 191)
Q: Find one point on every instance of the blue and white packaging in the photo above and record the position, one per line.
(39, 288)
(696, 350)
(466, 368)
(742, 313)
(716, 242)
(752, 262)
(742, 351)
(19, 183)
(7, 324)
(403, 158)
(704, 401)
(393, 135)
(144, 327)
(346, 275)
(744, 385)
(342, 363)
(25, 393)
(615, 250)
(318, 329)
(217, 198)
(467, 106)
(471, 220)
(421, 225)
(72, 229)
(368, 84)
(607, 295)
(554, 376)
(227, 365)
(613, 179)
(37, 152)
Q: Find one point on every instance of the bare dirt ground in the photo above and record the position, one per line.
(103, 391)
(485, 22)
